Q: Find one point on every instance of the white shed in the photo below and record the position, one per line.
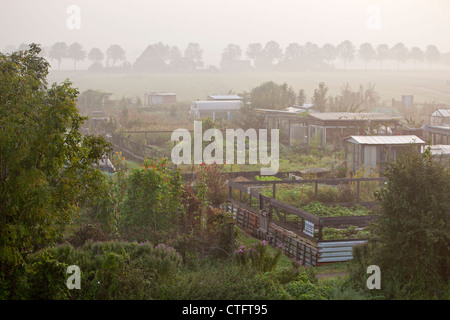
(377, 151)
(215, 109)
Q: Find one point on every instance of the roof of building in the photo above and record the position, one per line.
(161, 93)
(380, 140)
(217, 105)
(225, 97)
(334, 116)
(440, 149)
(439, 129)
(441, 113)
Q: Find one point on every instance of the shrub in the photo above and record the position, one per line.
(301, 283)
(224, 281)
(258, 257)
(109, 270)
(89, 231)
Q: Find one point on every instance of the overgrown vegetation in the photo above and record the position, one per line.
(410, 240)
(144, 233)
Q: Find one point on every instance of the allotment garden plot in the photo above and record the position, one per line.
(314, 221)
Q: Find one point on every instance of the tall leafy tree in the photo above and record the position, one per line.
(329, 53)
(346, 51)
(96, 55)
(319, 98)
(254, 52)
(416, 54)
(193, 56)
(270, 95)
(367, 53)
(301, 98)
(230, 55)
(348, 100)
(46, 165)
(76, 53)
(57, 52)
(383, 53)
(400, 53)
(312, 53)
(293, 52)
(272, 53)
(432, 54)
(176, 60)
(115, 53)
(412, 230)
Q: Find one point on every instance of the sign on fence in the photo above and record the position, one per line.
(309, 228)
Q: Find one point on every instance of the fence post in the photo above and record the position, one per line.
(357, 190)
(315, 190)
(232, 236)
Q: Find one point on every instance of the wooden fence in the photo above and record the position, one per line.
(266, 218)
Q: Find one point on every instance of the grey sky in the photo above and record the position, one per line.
(134, 24)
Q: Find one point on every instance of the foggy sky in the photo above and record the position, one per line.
(135, 24)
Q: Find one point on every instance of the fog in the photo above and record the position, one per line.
(135, 24)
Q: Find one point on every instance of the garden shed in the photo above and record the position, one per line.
(332, 127)
(215, 109)
(439, 134)
(440, 118)
(377, 151)
(159, 98)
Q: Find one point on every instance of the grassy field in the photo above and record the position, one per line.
(426, 86)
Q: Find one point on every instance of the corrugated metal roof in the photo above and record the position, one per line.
(217, 105)
(225, 97)
(161, 93)
(440, 149)
(350, 116)
(385, 139)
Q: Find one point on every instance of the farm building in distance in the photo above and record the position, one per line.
(159, 98)
(215, 109)
(224, 97)
(377, 151)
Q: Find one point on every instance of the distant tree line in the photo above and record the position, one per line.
(160, 57)
(311, 56)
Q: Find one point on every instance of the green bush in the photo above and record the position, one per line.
(224, 281)
(109, 270)
(258, 257)
(301, 283)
